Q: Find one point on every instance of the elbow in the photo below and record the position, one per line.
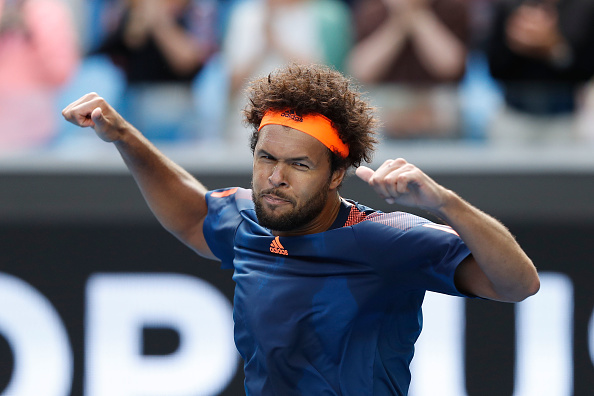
(533, 287)
(452, 70)
(529, 288)
(528, 282)
(517, 290)
(187, 67)
(451, 73)
(361, 76)
(188, 63)
(364, 72)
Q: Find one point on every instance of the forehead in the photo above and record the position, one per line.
(286, 142)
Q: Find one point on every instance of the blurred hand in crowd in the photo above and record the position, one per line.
(145, 16)
(39, 52)
(533, 31)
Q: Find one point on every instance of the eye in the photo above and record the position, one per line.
(266, 157)
(300, 165)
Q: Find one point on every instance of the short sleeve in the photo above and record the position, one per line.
(412, 253)
(221, 223)
(435, 253)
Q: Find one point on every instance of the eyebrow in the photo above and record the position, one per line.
(304, 158)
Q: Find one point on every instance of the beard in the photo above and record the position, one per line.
(297, 217)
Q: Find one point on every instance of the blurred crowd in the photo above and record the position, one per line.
(500, 72)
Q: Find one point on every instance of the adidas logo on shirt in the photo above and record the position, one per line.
(276, 247)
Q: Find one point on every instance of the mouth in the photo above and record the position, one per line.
(275, 200)
(273, 197)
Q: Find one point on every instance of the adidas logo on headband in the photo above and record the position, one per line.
(292, 115)
(315, 125)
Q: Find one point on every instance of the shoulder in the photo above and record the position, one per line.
(231, 198)
(403, 224)
(402, 221)
(361, 215)
(228, 208)
(231, 193)
(376, 228)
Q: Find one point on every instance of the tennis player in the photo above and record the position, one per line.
(328, 291)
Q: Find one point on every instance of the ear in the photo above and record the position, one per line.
(337, 177)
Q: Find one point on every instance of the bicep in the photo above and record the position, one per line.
(195, 239)
(470, 279)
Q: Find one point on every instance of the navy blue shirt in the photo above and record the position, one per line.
(332, 313)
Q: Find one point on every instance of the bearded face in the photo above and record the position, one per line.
(292, 181)
(294, 215)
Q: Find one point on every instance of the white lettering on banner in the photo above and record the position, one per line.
(439, 351)
(120, 305)
(544, 339)
(43, 362)
(544, 329)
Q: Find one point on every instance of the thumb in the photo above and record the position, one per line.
(97, 117)
(364, 173)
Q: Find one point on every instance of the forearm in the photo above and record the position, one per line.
(183, 52)
(440, 51)
(175, 197)
(498, 268)
(510, 273)
(370, 60)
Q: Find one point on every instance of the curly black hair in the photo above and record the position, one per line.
(308, 89)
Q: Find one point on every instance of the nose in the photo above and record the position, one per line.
(277, 177)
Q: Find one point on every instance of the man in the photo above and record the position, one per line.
(39, 53)
(328, 291)
(412, 55)
(542, 55)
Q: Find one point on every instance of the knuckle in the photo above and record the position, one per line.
(391, 178)
(409, 168)
(387, 163)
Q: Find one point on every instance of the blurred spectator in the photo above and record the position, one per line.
(480, 94)
(161, 46)
(411, 54)
(266, 34)
(585, 116)
(542, 53)
(38, 54)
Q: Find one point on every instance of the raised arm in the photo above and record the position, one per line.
(175, 197)
(441, 52)
(498, 268)
(372, 57)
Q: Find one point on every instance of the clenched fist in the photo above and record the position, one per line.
(93, 111)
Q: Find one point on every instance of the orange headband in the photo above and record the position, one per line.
(315, 125)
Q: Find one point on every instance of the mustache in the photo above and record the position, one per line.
(277, 193)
